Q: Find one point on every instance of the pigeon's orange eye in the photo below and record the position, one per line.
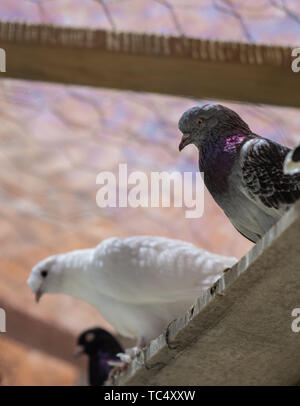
(200, 120)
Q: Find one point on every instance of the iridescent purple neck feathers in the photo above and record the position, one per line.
(217, 157)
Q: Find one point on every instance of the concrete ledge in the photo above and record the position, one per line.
(239, 332)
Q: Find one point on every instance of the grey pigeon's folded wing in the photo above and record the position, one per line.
(155, 269)
(263, 178)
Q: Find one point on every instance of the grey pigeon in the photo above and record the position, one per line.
(242, 170)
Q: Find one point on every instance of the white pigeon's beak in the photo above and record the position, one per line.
(185, 140)
(38, 295)
(79, 350)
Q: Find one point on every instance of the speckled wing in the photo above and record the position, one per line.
(263, 179)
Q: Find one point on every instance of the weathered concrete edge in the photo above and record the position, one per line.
(157, 354)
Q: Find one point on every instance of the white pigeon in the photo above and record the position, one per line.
(292, 162)
(139, 284)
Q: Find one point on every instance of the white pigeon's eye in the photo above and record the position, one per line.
(44, 273)
(89, 337)
(200, 120)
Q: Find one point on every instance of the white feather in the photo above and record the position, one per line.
(139, 284)
(291, 167)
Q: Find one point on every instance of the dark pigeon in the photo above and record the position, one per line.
(101, 348)
(242, 170)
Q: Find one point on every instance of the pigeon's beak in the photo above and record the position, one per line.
(79, 350)
(185, 140)
(38, 295)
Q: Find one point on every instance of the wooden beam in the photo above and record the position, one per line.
(168, 65)
(43, 335)
(240, 331)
